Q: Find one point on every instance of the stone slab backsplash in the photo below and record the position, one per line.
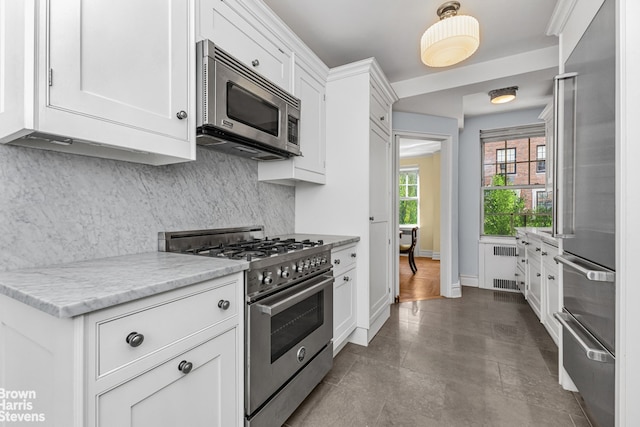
(57, 207)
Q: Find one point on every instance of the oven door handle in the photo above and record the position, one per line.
(291, 300)
(592, 349)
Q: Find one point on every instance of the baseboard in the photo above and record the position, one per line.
(455, 291)
(359, 336)
(436, 256)
(466, 280)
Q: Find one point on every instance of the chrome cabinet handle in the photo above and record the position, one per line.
(592, 352)
(550, 277)
(185, 367)
(134, 339)
(181, 114)
(255, 62)
(590, 271)
(537, 249)
(538, 274)
(543, 253)
(224, 304)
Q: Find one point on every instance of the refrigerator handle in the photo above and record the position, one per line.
(590, 271)
(559, 198)
(592, 349)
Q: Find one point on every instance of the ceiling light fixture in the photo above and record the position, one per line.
(504, 95)
(452, 39)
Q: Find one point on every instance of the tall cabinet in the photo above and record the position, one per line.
(356, 197)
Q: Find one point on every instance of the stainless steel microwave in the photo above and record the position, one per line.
(240, 112)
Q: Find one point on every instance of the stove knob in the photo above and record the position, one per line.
(266, 278)
(285, 272)
(299, 266)
(307, 263)
(323, 260)
(313, 262)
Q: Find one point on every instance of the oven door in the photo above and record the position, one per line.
(284, 332)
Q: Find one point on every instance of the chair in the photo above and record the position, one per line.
(410, 249)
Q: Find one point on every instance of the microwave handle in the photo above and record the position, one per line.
(291, 300)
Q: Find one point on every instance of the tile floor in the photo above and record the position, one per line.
(480, 360)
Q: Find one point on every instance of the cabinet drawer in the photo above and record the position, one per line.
(343, 259)
(160, 325)
(380, 111)
(223, 24)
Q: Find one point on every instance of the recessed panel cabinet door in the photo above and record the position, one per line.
(168, 397)
(122, 61)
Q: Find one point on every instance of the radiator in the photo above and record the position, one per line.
(498, 264)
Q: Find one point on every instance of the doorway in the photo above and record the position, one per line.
(436, 243)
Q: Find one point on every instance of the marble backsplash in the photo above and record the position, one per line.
(57, 207)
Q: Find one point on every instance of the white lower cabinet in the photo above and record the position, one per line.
(534, 293)
(196, 388)
(344, 294)
(171, 359)
(553, 301)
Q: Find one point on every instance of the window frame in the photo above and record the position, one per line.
(520, 216)
(540, 160)
(402, 170)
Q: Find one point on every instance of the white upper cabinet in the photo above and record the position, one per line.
(309, 167)
(115, 78)
(225, 23)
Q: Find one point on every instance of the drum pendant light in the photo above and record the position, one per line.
(452, 39)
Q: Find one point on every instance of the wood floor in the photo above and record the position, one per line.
(424, 284)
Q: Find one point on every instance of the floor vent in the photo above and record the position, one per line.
(512, 285)
(509, 297)
(504, 251)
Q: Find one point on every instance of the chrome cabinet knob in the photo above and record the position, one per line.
(134, 339)
(224, 304)
(537, 249)
(538, 274)
(353, 255)
(346, 278)
(255, 62)
(382, 118)
(550, 277)
(181, 114)
(336, 261)
(371, 218)
(185, 367)
(543, 253)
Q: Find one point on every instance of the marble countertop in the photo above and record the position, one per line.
(543, 233)
(76, 288)
(330, 240)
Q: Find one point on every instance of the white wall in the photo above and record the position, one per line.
(447, 127)
(469, 179)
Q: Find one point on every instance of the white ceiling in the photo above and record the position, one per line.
(514, 49)
(410, 147)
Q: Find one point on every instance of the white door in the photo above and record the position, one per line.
(379, 201)
(122, 61)
(167, 397)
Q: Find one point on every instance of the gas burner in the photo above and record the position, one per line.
(253, 249)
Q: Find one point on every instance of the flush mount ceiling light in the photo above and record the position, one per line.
(504, 95)
(452, 39)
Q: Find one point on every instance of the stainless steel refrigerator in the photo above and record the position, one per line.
(584, 213)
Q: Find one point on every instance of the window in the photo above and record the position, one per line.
(513, 180)
(409, 199)
(506, 160)
(541, 155)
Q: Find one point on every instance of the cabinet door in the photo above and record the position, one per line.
(224, 24)
(122, 62)
(167, 397)
(534, 295)
(344, 306)
(379, 197)
(553, 303)
(312, 121)
(14, 26)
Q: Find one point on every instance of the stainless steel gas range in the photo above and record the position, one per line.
(288, 313)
